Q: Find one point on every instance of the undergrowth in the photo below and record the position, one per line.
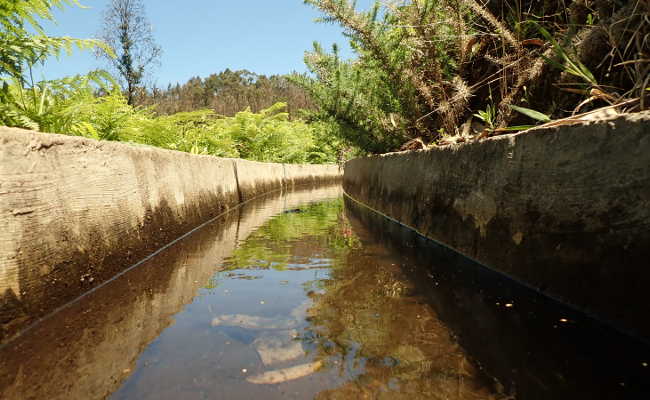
(93, 105)
(71, 106)
(426, 72)
(431, 69)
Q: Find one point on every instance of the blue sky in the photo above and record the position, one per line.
(200, 37)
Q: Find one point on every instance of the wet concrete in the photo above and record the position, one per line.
(74, 211)
(532, 346)
(296, 296)
(565, 210)
(87, 349)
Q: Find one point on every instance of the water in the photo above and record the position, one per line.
(299, 296)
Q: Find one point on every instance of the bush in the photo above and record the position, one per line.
(426, 67)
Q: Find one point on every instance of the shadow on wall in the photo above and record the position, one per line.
(534, 347)
(90, 347)
(565, 210)
(75, 211)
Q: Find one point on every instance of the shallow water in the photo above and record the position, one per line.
(300, 296)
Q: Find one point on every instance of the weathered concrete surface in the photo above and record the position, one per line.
(88, 349)
(304, 174)
(255, 178)
(75, 211)
(566, 210)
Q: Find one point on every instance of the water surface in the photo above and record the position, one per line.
(300, 296)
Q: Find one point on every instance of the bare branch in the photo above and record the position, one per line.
(128, 32)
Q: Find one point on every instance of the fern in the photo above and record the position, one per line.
(20, 47)
(92, 105)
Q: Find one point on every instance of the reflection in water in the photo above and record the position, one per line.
(326, 316)
(288, 298)
(391, 344)
(531, 346)
(374, 328)
(88, 349)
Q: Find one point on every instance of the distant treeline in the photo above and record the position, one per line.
(229, 114)
(227, 93)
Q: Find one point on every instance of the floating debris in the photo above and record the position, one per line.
(244, 276)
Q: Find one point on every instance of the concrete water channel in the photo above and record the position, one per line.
(309, 294)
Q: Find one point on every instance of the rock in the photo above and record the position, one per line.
(296, 317)
(255, 322)
(279, 347)
(285, 374)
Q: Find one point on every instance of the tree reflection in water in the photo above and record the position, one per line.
(365, 323)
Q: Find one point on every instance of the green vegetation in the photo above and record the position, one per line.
(426, 72)
(425, 68)
(20, 47)
(271, 244)
(94, 106)
(229, 92)
(23, 44)
(70, 106)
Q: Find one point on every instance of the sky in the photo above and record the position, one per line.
(201, 37)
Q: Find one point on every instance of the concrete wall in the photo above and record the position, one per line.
(565, 210)
(75, 211)
(99, 339)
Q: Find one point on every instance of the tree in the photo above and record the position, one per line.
(128, 32)
(229, 92)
